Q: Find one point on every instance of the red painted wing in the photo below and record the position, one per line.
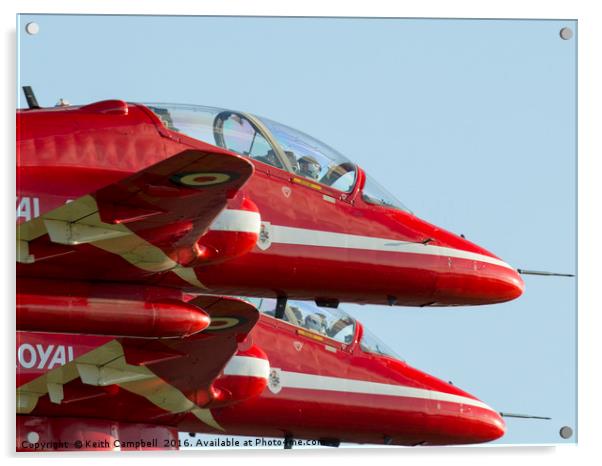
(151, 219)
(192, 186)
(160, 378)
(205, 354)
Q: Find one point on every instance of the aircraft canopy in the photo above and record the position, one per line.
(333, 323)
(272, 143)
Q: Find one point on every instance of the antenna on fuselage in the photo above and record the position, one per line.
(524, 416)
(546, 274)
(32, 102)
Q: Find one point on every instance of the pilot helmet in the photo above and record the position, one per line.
(315, 322)
(309, 167)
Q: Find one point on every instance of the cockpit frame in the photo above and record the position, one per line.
(339, 330)
(283, 167)
(258, 126)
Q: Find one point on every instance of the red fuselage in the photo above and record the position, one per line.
(316, 242)
(317, 388)
(128, 346)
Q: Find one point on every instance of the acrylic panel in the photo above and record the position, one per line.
(466, 124)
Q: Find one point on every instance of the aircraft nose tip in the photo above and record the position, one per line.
(490, 284)
(497, 426)
(493, 428)
(501, 285)
(489, 426)
(513, 285)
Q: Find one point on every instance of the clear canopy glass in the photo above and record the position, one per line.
(312, 158)
(371, 344)
(261, 139)
(272, 143)
(333, 323)
(329, 322)
(374, 193)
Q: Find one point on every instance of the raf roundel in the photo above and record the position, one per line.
(223, 323)
(201, 179)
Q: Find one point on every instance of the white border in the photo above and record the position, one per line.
(590, 152)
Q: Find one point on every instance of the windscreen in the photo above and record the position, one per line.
(329, 322)
(371, 344)
(243, 133)
(313, 159)
(193, 120)
(374, 193)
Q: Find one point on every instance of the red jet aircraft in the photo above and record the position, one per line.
(327, 379)
(129, 215)
(117, 192)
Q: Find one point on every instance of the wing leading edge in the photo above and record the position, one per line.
(151, 220)
(180, 377)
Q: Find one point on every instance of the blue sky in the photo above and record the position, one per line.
(470, 123)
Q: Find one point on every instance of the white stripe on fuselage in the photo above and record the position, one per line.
(320, 382)
(250, 222)
(306, 237)
(237, 220)
(247, 366)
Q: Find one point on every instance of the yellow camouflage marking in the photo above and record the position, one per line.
(23, 255)
(39, 387)
(111, 355)
(205, 416)
(138, 252)
(188, 275)
(31, 230)
(130, 247)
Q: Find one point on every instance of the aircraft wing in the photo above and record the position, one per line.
(151, 220)
(170, 378)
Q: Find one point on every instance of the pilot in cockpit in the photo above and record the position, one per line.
(290, 155)
(309, 167)
(342, 330)
(270, 158)
(316, 322)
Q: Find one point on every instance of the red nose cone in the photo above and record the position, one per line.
(488, 284)
(491, 427)
(472, 424)
(469, 274)
(458, 418)
(509, 285)
(478, 423)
